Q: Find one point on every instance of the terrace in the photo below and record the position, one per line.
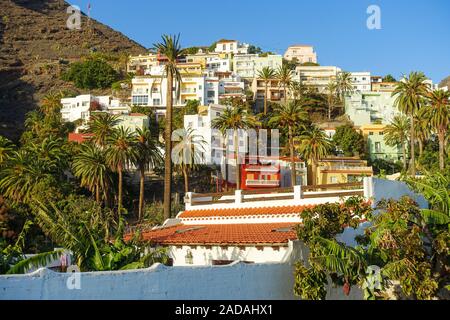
(298, 195)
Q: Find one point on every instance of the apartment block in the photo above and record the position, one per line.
(248, 65)
(361, 81)
(377, 147)
(341, 170)
(274, 91)
(81, 107)
(365, 108)
(301, 53)
(141, 63)
(316, 77)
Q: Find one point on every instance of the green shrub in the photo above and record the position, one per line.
(91, 74)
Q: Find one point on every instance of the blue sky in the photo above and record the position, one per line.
(414, 34)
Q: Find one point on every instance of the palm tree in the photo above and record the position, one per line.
(236, 118)
(266, 74)
(6, 148)
(331, 96)
(21, 175)
(188, 152)
(422, 128)
(344, 85)
(439, 115)
(396, 133)
(284, 76)
(410, 92)
(290, 116)
(89, 165)
(51, 103)
(314, 145)
(119, 154)
(170, 48)
(102, 126)
(297, 89)
(34, 121)
(147, 156)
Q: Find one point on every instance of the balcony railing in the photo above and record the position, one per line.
(272, 183)
(188, 91)
(345, 168)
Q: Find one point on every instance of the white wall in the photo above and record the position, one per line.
(238, 281)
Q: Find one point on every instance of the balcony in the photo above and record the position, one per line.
(262, 183)
(189, 90)
(346, 168)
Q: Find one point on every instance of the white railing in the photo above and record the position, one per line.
(262, 182)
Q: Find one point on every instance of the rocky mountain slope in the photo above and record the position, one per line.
(35, 46)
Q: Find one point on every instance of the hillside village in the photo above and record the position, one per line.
(243, 173)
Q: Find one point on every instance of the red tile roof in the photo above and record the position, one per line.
(235, 212)
(79, 137)
(223, 234)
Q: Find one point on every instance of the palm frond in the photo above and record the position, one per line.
(35, 262)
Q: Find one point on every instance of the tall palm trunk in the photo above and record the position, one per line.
(186, 179)
(291, 151)
(97, 192)
(441, 137)
(405, 161)
(285, 93)
(265, 98)
(420, 142)
(119, 169)
(168, 149)
(314, 172)
(329, 107)
(413, 147)
(141, 192)
(236, 157)
(106, 195)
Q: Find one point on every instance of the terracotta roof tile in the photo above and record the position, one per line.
(233, 212)
(223, 234)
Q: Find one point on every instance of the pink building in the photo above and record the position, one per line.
(302, 53)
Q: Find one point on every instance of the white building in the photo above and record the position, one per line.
(301, 53)
(256, 228)
(80, 107)
(370, 107)
(231, 47)
(361, 81)
(201, 123)
(248, 65)
(317, 77)
(216, 64)
(150, 91)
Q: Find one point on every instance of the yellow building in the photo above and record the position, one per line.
(341, 170)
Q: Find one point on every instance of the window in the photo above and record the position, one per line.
(378, 147)
(211, 94)
(381, 133)
(156, 102)
(333, 180)
(224, 47)
(140, 100)
(370, 133)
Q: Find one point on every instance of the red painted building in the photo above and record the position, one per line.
(260, 175)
